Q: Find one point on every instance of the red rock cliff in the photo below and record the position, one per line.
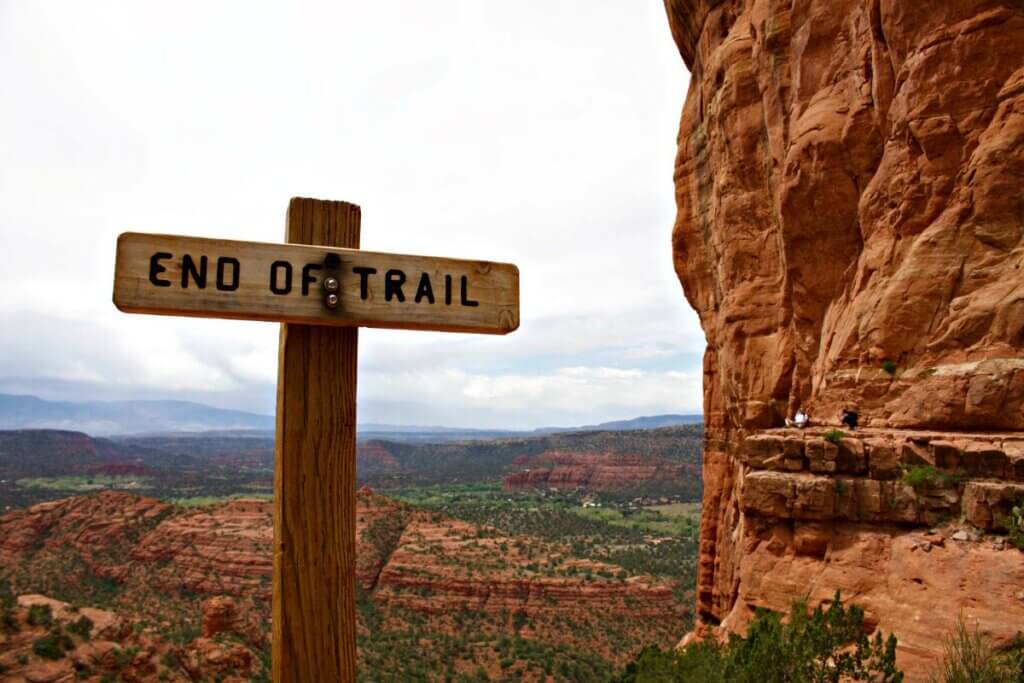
(849, 229)
(599, 472)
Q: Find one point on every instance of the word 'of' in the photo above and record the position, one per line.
(228, 273)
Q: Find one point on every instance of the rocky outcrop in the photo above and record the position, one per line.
(907, 524)
(599, 472)
(373, 459)
(87, 523)
(83, 643)
(496, 573)
(218, 550)
(849, 230)
(380, 523)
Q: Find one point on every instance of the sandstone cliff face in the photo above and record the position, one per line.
(849, 230)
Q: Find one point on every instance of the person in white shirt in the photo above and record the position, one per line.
(799, 420)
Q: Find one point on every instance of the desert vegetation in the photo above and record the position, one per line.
(824, 645)
(970, 657)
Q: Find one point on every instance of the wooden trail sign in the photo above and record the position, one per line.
(322, 288)
(193, 276)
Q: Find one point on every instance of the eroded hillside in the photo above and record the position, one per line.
(184, 593)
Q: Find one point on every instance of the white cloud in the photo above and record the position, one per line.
(540, 132)
(573, 395)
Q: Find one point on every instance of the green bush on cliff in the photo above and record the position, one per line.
(834, 435)
(922, 477)
(53, 644)
(1015, 525)
(81, 627)
(823, 646)
(8, 618)
(40, 615)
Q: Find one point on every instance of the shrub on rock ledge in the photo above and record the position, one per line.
(835, 435)
(823, 646)
(922, 477)
(1015, 525)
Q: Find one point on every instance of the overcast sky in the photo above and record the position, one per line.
(537, 132)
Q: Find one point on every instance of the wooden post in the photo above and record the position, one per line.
(322, 287)
(314, 478)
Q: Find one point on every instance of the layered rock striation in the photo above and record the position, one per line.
(599, 472)
(496, 573)
(849, 230)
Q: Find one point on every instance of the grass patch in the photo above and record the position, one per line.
(81, 627)
(1014, 524)
(40, 615)
(208, 501)
(85, 484)
(969, 657)
(834, 436)
(53, 645)
(677, 520)
(925, 477)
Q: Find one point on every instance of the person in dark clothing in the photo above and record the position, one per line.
(850, 418)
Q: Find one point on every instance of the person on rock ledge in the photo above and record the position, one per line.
(849, 419)
(800, 420)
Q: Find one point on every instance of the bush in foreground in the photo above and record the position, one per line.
(825, 646)
(969, 657)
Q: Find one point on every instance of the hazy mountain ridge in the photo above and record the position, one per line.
(159, 417)
(105, 418)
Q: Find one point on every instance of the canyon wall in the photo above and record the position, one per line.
(602, 472)
(850, 221)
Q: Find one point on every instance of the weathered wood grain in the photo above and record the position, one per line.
(314, 478)
(192, 276)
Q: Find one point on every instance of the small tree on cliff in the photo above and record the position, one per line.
(824, 646)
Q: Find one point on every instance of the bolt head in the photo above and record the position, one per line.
(331, 284)
(331, 301)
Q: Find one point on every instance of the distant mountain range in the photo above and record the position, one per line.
(102, 418)
(649, 422)
(105, 418)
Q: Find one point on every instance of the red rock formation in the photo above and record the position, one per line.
(117, 648)
(420, 575)
(849, 231)
(372, 457)
(596, 472)
(220, 614)
(847, 189)
(87, 523)
(224, 549)
(380, 523)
